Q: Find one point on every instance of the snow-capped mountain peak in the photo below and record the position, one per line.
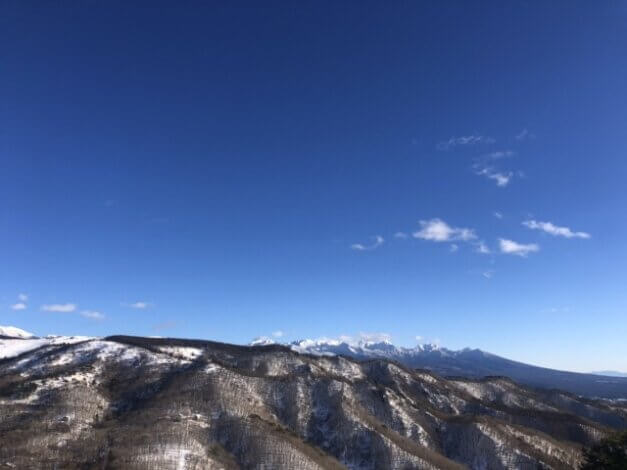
(14, 332)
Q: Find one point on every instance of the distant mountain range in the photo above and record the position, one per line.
(160, 403)
(610, 373)
(471, 363)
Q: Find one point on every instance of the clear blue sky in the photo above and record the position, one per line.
(240, 170)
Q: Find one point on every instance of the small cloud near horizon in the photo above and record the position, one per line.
(59, 308)
(163, 326)
(93, 315)
(18, 306)
(375, 337)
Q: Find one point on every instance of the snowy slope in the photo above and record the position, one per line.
(14, 332)
(15, 347)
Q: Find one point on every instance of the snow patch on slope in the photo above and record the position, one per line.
(15, 347)
(187, 353)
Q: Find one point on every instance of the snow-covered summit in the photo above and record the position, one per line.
(366, 347)
(262, 341)
(381, 348)
(14, 332)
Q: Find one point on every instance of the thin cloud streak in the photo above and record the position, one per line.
(524, 135)
(464, 141)
(499, 154)
(59, 308)
(378, 241)
(554, 230)
(139, 305)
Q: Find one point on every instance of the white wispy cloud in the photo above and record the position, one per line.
(378, 241)
(453, 248)
(554, 230)
(401, 235)
(60, 308)
(498, 215)
(139, 305)
(500, 178)
(437, 230)
(488, 274)
(278, 334)
(511, 247)
(464, 140)
(524, 135)
(481, 247)
(499, 154)
(92, 314)
(555, 310)
(486, 166)
(375, 337)
(19, 306)
(22, 297)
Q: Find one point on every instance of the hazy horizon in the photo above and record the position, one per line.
(420, 172)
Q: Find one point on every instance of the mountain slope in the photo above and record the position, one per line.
(140, 403)
(473, 363)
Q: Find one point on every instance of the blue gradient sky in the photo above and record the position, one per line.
(230, 167)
